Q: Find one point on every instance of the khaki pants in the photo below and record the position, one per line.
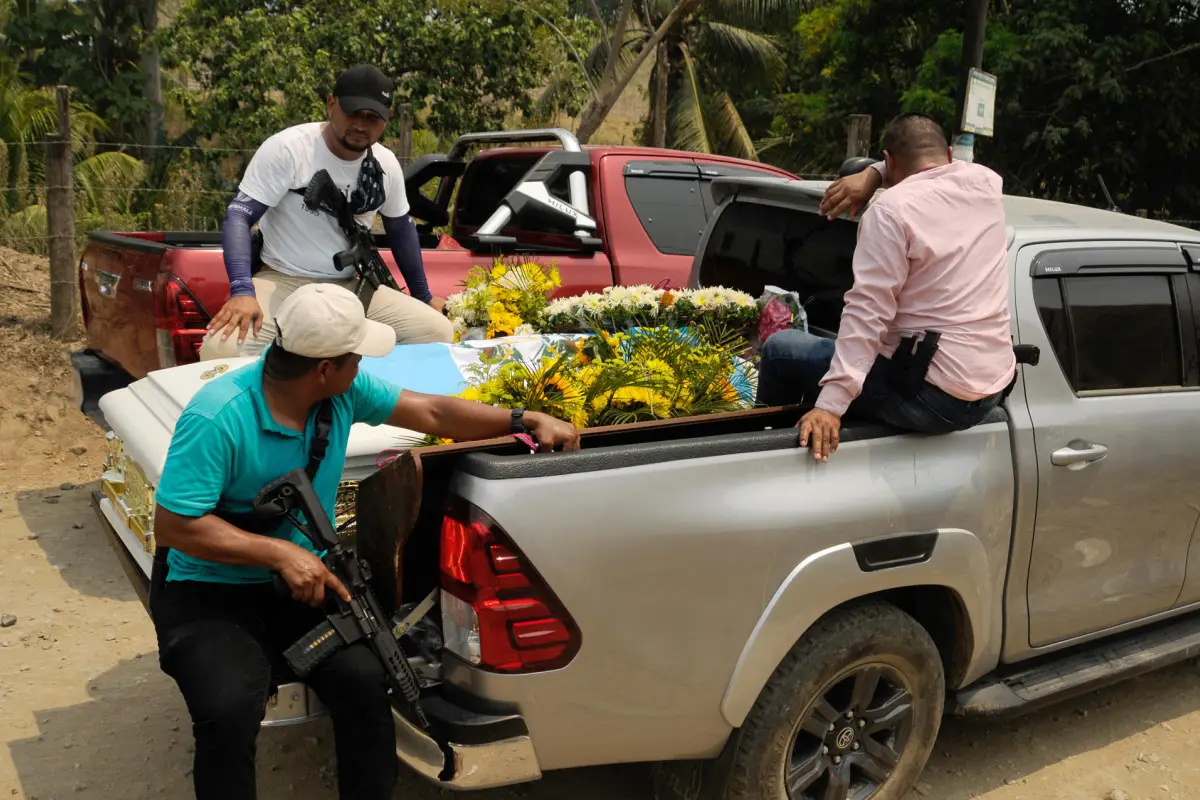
(414, 322)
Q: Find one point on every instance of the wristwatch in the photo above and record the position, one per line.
(518, 421)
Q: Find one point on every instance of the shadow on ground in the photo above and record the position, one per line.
(131, 740)
(81, 555)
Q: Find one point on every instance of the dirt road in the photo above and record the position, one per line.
(85, 711)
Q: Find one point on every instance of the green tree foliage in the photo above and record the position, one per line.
(93, 46)
(719, 46)
(702, 49)
(263, 66)
(1086, 88)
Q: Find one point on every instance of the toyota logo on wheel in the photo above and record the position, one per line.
(845, 738)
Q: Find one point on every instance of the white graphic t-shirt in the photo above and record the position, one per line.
(295, 241)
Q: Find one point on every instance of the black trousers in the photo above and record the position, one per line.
(223, 643)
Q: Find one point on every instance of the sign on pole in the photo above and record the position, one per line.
(979, 110)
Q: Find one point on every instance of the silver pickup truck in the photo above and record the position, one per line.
(705, 596)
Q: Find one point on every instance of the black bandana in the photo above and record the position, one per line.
(369, 194)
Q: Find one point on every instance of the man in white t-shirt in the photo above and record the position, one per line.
(299, 244)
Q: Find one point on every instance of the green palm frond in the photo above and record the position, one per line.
(760, 12)
(745, 49)
(108, 173)
(553, 97)
(729, 129)
(688, 128)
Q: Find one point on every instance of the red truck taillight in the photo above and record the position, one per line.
(180, 322)
(497, 612)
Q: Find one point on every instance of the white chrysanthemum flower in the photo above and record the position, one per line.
(524, 330)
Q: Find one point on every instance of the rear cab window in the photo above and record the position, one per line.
(752, 245)
(1119, 319)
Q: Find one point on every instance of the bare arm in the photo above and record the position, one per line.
(213, 539)
(464, 420)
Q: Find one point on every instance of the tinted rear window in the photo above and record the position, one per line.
(754, 245)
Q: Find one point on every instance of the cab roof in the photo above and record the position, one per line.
(1027, 217)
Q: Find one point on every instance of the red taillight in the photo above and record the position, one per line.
(497, 612)
(181, 322)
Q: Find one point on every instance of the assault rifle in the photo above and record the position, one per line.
(323, 194)
(361, 618)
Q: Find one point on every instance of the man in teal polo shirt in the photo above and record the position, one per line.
(221, 627)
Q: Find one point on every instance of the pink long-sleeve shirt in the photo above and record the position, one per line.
(931, 255)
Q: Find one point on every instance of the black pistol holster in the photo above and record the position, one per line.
(910, 363)
(265, 517)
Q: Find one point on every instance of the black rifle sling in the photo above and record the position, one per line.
(320, 440)
(260, 520)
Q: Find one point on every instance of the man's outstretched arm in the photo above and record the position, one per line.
(242, 311)
(464, 420)
(405, 245)
(880, 270)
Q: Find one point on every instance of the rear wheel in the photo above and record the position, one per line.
(851, 713)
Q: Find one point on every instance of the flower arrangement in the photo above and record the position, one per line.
(622, 307)
(617, 378)
(507, 299)
(511, 298)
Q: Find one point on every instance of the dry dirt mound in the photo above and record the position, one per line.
(41, 429)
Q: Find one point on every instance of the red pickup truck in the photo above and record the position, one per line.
(147, 297)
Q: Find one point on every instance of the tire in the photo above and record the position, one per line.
(880, 754)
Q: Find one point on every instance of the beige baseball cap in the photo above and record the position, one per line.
(321, 320)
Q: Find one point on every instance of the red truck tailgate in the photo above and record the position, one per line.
(117, 289)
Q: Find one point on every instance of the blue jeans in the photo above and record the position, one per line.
(794, 362)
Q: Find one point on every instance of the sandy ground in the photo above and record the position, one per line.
(85, 711)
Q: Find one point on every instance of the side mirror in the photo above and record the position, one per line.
(853, 166)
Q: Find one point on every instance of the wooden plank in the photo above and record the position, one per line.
(858, 136)
(60, 224)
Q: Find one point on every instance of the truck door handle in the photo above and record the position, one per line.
(1078, 454)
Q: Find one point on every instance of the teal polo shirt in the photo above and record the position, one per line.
(227, 446)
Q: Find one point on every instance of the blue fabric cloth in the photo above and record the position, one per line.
(793, 363)
(406, 249)
(227, 446)
(240, 217)
(428, 368)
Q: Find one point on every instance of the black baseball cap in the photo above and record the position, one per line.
(364, 88)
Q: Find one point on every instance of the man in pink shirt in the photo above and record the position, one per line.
(931, 257)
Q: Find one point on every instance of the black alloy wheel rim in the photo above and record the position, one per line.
(851, 738)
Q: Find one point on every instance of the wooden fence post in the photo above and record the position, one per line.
(405, 114)
(858, 136)
(60, 225)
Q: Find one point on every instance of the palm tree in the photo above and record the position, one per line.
(701, 48)
(717, 47)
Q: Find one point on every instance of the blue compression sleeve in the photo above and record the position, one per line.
(240, 217)
(406, 248)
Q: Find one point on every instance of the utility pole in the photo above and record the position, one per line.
(974, 30)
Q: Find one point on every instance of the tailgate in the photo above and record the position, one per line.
(116, 277)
